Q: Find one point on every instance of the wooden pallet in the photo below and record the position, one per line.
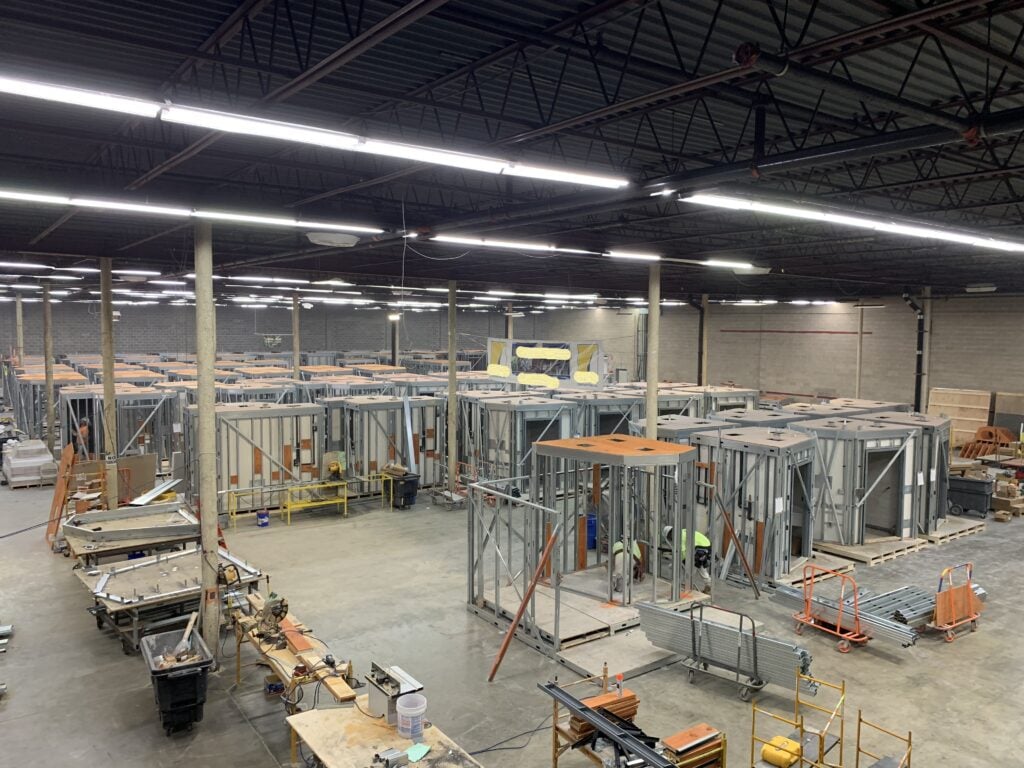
(874, 552)
(835, 566)
(954, 528)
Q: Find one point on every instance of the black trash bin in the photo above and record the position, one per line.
(404, 490)
(179, 688)
(970, 495)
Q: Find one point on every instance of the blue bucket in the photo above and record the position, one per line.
(591, 531)
(262, 518)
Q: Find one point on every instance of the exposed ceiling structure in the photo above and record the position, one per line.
(905, 110)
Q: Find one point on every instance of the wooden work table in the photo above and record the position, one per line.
(301, 649)
(344, 737)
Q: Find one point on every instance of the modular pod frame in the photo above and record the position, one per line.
(759, 417)
(262, 448)
(509, 427)
(715, 399)
(471, 418)
(146, 418)
(870, 406)
(376, 430)
(678, 429)
(762, 479)
(603, 413)
(651, 486)
(933, 462)
(866, 479)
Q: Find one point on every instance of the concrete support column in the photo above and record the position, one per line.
(109, 415)
(19, 330)
(51, 410)
(206, 352)
(702, 373)
(509, 323)
(453, 398)
(296, 341)
(653, 330)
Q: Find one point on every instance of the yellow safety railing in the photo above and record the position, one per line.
(904, 761)
(314, 496)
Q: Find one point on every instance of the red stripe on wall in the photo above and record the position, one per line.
(771, 330)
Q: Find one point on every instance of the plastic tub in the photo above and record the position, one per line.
(410, 710)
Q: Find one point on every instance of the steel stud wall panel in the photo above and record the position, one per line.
(259, 446)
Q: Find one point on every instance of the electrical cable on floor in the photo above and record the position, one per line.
(22, 530)
(497, 746)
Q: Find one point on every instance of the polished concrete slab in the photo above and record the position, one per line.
(389, 586)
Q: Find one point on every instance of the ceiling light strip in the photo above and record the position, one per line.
(860, 221)
(228, 122)
(164, 210)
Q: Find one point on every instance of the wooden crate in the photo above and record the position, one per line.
(968, 409)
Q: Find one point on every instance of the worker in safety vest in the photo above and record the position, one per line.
(638, 566)
(701, 552)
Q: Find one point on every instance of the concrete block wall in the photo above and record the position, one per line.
(168, 328)
(778, 348)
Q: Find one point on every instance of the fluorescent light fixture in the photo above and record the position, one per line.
(581, 296)
(253, 306)
(569, 177)
(799, 302)
(339, 283)
(115, 205)
(496, 299)
(261, 279)
(255, 126)
(980, 288)
(172, 292)
(63, 278)
(29, 197)
(727, 264)
(394, 317)
(634, 256)
(82, 270)
(165, 210)
(21, 265)
(79, 97)
(513, 245)
(502, 293)
(303, 134)
(161, 282)
(874, 223)
(23, 287)
(136, 272)
(280, 221)
(821, 303)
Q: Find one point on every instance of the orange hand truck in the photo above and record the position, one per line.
(955, 604)
(843, 621)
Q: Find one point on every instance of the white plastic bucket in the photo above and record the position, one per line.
(410, 710)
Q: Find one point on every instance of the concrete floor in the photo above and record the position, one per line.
(389, 586)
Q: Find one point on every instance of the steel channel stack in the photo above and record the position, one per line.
(872, 625)
(679, 631)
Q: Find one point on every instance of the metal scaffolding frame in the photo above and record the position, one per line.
(648, 485)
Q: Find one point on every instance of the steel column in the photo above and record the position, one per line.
(296, 342)
(453, 386)
(653, 328)
(19, 331)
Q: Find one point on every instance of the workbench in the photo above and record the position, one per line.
(301, 649)
(94, 536)
(142, 596)
(344, 737)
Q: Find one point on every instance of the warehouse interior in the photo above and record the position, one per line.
(498, 384)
